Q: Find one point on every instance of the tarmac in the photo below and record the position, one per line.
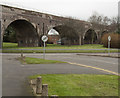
(113, 55)
(15, 75)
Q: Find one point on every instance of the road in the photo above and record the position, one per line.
(15, 74)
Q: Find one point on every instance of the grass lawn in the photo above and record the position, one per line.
(52, 46)
(9, 45)
(80, 84)
(14, 46)
(29, 60)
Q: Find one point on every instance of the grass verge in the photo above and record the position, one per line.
(59, 51)
(52, 46)
(29, 60)
(11, 48)
(80, 85)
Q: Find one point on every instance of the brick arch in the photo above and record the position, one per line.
(89, 29)
(88, 36)
(68, 34)
(8, 22)
(26, 33)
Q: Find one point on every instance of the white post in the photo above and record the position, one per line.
(44, 39)
(44, 51)
(109, 39)
(108, 47)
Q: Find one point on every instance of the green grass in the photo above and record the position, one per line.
(86, 46)
(10, 45)
(51, 46)
(29, 60)
(80, 85)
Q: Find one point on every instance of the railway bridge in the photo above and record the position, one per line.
(31, 25)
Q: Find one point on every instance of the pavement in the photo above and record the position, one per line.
(15, 75)
(113, 55)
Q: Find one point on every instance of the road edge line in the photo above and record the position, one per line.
(97, 68)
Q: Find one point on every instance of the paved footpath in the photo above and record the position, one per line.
(15, 74)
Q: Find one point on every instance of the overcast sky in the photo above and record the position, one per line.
(81, 9)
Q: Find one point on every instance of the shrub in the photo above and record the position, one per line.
(115, 40)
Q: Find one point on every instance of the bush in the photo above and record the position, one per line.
(10, 35)
(115, 40)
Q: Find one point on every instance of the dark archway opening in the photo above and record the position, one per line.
(22, 32)
(90, 37)
(68, 35)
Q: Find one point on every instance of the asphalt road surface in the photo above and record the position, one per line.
(15, 75)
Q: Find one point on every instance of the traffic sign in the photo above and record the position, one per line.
(109, 38)
(44, 38)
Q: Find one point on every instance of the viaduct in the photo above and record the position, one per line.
(31, 25)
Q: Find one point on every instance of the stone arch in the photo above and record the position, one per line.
(87, 31)
(90, 37)
(8, 22)
(68, 35)
(26, 33)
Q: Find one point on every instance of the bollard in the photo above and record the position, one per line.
(45, 90)
(39, 85)
(54, 96)
(21, 54)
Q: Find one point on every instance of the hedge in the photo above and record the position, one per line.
(115, 40)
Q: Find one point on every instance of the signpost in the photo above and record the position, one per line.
(44, 39)
(109, 39)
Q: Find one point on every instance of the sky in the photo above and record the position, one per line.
(80, 9)
(53, 32)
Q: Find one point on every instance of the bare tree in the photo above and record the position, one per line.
(99, 21)
(102, 22)
(114, 24)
